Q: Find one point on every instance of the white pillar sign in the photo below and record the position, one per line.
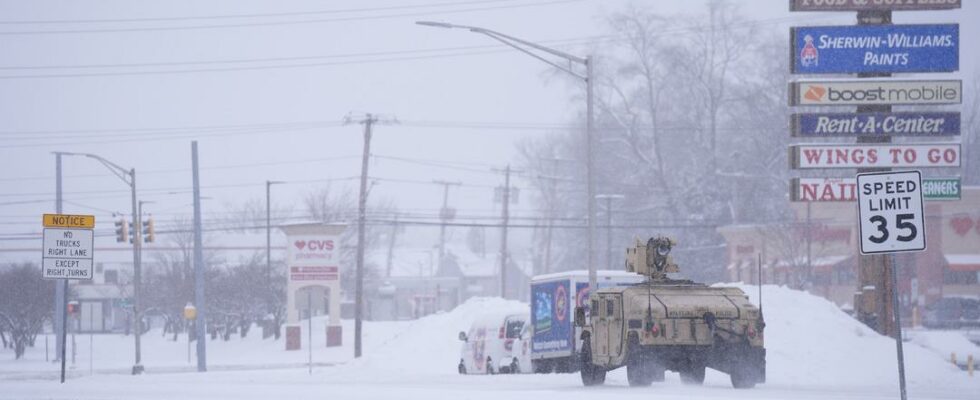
(890, 210)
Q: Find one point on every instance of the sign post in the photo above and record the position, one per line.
(891, 221)
(67, 254)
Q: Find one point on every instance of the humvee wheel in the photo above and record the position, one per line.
(745, 378)
(694, 375)
(741, 380)
(592, 375)
(639, 369)
(639, 373)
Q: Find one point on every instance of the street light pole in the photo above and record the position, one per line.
(60, 319)
(526, 47)
(128, 177)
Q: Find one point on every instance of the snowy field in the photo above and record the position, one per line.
(814, 352)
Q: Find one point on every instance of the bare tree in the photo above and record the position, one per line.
(690, 129)
(169, 284)
(25, 303)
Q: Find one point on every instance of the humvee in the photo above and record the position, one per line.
(669, 324)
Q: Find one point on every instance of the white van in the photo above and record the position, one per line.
(496, 343)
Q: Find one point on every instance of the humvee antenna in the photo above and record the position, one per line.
(760, 284)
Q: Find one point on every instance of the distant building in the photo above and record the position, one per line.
(821, 255)
(418, 286)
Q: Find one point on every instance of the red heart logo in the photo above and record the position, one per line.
(300, 244)
(961, 224)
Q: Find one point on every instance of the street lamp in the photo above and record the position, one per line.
(129, 177)
(268, 229)
(522, 46)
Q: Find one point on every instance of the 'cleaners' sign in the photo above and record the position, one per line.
(890, 212)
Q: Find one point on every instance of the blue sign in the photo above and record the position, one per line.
(877, 124)
(875, 48)
(551, 317)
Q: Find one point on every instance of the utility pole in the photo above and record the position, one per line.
(445, 215)
(368, 121)
(505, 217)
(391, 246)
(874, 307)
(268, 230)
(609, 198)
(60, 291)
(199, 292)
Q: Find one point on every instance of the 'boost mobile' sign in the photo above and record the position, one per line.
(875, 48)
(876, 124)
(872, 92)
(871, 5)
(875, 155)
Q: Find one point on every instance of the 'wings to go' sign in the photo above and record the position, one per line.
(855, 49)
(890, 212)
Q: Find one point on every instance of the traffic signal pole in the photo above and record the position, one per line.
(61, 291)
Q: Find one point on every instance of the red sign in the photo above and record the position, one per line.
(313, 273)
(874, 156)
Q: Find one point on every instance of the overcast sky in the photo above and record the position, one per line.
(460, 110)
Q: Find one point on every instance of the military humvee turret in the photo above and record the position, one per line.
(666, 324)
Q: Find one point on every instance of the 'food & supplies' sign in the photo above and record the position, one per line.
(875, 92)
(875, 48)
(876, 124)
(872, 5)
(874, 156)
(845, 189)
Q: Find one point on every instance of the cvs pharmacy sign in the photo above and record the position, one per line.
(309, 250)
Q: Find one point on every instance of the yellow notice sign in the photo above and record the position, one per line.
(69, 221)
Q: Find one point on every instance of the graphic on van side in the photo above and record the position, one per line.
(552, 325)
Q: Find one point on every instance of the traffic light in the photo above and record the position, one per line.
(148, 230)
(122, 230)
(72, 307)
(132, 232)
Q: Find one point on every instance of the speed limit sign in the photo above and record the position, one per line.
(890, 210)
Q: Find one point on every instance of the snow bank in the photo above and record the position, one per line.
(430, 345)
(943, 343)
(810, 341)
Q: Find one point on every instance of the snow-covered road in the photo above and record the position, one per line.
(815, 351)
(342, 383)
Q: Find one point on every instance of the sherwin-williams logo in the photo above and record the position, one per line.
(809, 55)
(815, 93)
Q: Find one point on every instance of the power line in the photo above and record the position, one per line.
(281, 23)
(253, 15)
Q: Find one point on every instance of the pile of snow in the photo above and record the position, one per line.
(810, 341)
(945, 343)
(430, 345)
